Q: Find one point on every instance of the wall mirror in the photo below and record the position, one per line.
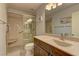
(63, 19)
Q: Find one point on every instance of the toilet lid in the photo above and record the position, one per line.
(29, 46)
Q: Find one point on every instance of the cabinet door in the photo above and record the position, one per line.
(36, 50)
(43, 52)
(39, 51)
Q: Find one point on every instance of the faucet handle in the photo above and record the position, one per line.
(61, 34)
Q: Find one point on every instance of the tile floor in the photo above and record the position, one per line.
(15, 51)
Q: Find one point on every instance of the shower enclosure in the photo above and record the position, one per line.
(29, 29)
(21, 30)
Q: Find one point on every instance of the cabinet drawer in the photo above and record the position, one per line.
(58, 52)
(44, 46)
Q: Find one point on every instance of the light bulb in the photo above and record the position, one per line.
(54, 5)
(48, 7)
(59, 4)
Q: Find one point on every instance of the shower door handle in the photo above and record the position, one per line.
(7, 28)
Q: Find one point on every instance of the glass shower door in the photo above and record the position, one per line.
(29, 30)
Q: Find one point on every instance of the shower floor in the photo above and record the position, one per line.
(15, 51)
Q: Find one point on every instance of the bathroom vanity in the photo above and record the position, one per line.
(63, 23)
(46, 46)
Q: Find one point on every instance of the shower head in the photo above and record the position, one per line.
(28, 21)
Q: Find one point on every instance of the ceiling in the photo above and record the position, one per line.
(13, 15)
(24, 6)
(32, 7)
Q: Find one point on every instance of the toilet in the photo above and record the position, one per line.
(29, 49)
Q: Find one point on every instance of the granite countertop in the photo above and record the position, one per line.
(73, 49)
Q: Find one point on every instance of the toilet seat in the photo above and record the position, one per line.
(29, 49)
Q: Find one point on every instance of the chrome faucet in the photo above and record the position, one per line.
(62, 36)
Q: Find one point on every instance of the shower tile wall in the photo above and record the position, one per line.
(14, 33)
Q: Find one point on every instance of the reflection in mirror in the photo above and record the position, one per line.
(48, 22)
(63, 20)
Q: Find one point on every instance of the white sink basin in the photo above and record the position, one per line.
(62, 43)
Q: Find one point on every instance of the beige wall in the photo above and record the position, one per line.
(75, 23)
(15, 22)
(40, 21)
(3, 16)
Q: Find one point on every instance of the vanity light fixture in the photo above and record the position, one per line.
(50, 6)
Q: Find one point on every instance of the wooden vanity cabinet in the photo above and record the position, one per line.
(58, 52)
(39, 51)
(43, 49)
